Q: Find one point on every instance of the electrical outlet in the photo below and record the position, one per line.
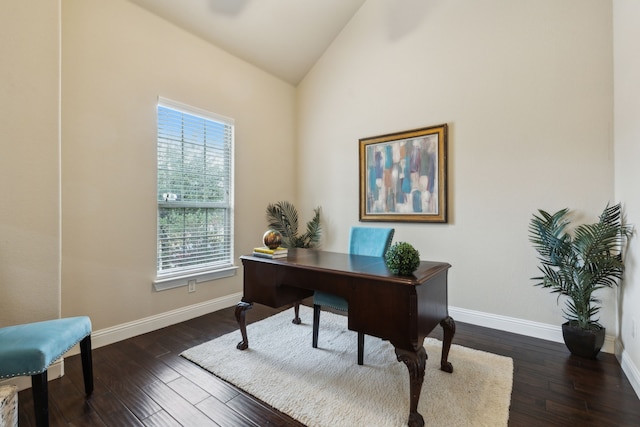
(192, 286)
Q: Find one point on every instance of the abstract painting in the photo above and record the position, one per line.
(403, 176)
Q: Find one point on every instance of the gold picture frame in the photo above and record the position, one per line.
(403, 176)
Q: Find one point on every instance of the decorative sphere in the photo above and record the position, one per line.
(402, 259)
(272, 239)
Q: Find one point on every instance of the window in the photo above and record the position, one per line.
(195, 188)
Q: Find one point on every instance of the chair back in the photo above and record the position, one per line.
(370, 241)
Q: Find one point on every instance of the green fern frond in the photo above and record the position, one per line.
(311, 237)
(282, 216)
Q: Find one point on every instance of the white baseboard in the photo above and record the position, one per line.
(519, 326)
(546, 332)
(128, 330)
(631, 371)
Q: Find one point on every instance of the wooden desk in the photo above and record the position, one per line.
(402, 310)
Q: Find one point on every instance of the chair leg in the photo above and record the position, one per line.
(316, 324)
(87, 364)
(40, 399)
(360, 348)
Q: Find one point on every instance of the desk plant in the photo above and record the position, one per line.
(577, 265)
(283, 217)
(402, 259)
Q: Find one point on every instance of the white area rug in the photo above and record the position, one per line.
(326, 387)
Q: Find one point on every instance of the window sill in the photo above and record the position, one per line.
(164, 283)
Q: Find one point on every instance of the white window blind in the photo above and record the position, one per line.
(195, 188)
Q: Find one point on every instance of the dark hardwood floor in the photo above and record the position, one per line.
(143, 381)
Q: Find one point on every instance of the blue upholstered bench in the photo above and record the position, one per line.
(31, 348)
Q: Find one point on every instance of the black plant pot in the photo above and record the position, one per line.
(583, 342)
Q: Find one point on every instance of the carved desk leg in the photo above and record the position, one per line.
(449, 329)
(296, 309)
(241, 310)
(415, 361)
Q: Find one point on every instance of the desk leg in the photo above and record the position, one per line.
(296, 310)
(449, 329)
(415, 361)
(241, 310)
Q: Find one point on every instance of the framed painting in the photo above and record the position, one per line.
(403, 176)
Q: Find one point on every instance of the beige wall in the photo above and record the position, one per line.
(29, 163)
(526, 88)
(117, 59)
(626, 14)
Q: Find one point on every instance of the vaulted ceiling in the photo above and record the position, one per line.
(282, 37)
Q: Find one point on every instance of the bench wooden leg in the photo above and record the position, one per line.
(360, 348)
(316, 326)
(87, 364)
(40, 399)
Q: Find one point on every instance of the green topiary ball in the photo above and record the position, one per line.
(402, 259)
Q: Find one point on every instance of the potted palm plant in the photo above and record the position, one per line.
(577, 265)
(283, 217)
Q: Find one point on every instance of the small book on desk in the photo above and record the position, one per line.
(270, 256)
(266, 250)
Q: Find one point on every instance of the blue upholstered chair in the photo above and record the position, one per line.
(370, 241)
(31, 348)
